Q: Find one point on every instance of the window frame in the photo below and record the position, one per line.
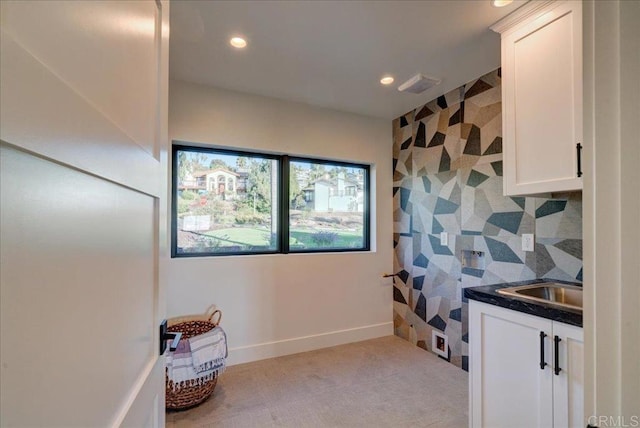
(177, 147)
(366, 217)
(283, 163)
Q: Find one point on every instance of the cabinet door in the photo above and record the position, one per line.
(507, 386)
(568, 384)
(542, 102)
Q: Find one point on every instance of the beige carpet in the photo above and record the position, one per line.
(384, 382)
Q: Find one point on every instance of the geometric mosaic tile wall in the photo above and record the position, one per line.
(447, 160)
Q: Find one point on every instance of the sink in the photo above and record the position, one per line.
(553, 293)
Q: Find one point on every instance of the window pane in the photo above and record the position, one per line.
(225, 202)
(327, 206)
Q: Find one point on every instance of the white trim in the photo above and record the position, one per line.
(261, 351)
(610, 210)
(522, 14)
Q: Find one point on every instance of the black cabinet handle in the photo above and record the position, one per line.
(542, 362)
(579, 150)
(556, 358)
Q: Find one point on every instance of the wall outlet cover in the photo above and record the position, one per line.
(440, 343)
(444, 238)
(528, 242)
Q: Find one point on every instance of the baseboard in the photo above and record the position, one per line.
(246, 354)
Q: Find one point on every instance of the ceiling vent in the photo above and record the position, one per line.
(419, 83)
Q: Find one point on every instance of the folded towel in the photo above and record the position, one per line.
(184, 347)
(180, 364)
(197, 360)
(209, 350)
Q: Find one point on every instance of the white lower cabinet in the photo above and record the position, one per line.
(568, 385)
(525, 371)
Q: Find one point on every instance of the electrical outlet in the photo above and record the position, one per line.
(440, 343)
(528, 242)
(444, 238)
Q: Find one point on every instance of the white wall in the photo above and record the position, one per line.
(279, 304)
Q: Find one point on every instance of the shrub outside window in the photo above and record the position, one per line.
(230, 202)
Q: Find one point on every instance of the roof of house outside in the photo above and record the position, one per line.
(332, 183)
(211, 171)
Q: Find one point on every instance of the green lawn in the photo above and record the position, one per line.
(300, 238)
(345, 239)
(245, 236)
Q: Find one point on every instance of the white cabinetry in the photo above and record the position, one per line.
(542, 97)
(525, 371)
(568, 385)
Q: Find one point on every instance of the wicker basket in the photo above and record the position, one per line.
(188, 396)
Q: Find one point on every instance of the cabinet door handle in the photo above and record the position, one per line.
(556, 357)
(542, 362)
(579, 150)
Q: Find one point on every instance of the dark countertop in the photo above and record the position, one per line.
(489, 294)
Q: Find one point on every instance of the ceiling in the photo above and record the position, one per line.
(333, 53)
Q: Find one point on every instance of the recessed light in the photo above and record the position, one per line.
(238, 42)
(386, 80)
(501, 3)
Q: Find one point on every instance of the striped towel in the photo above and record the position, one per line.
(180, 364)
(209, 350)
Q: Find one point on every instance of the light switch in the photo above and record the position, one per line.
(444, 238)
(528, 242)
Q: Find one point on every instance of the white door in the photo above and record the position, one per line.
(508, 387)
(568, 382)
(611, 208)
(83, 212)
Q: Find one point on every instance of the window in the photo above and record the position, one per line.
(229, 202)
(221, 218)
(322, 213)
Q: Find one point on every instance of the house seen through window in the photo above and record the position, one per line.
(227, 202)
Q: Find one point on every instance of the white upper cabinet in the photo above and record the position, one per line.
(542, 97)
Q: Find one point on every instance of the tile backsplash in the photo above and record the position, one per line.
(447, 160)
